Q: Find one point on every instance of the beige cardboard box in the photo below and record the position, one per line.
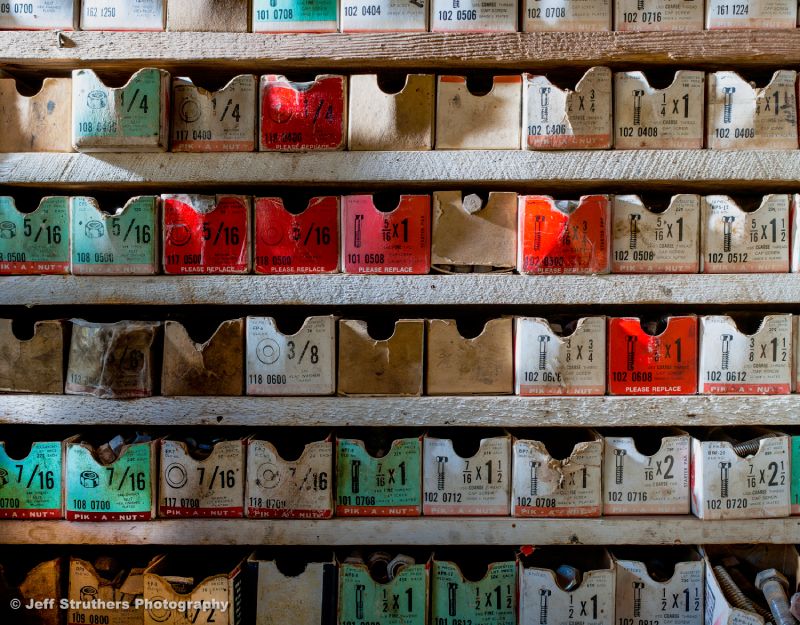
(565, 119)
(131, 118)
(383, 16)
(296, 488)
(738, 241)
(551, 360)
(34, 365)
(482, 365)
(751, 14)
(41, 15)
(24, 582)
(544, 602)
(468, 232)
(646, 483)
(215, 367)
(658, 15)
(479, 485)
(746, 485)
(111, 360)
(474, 16)
(742, 116)
(37, 123)
(202, 487)
(303, 363)
(87, 584)
(300, 16)
(736, 362)
(656, 241)
(669, 118)
(207, 16)
(392, 366)
(381, 118)
(465, 121)
(214, 121)
(548, 486)
(122, 14)
(566, 15)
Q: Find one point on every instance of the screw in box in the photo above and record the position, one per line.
(355, 476)
(543, 341)
(631, 351)
(535, 477)
(638, 94)
(452, 590)
(727, 232)
(357, 234)
(544, 600)
(440, 473)
(727, 108)
(544, 100)
(537, 232)
(637, 599)
(360, 588)
(726, 350)
(619, 464)
(634, 227)
(724, 478)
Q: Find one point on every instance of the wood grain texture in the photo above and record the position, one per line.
(669, 530)
(499, 411)
(528, 51)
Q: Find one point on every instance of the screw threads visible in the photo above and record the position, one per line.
(733, 593)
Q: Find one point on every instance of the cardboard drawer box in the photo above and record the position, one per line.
(566, 16)
(397, 241)
(736, 362)
(457, 599)
(735, 240)
(555, 360)
(549, 486)
(750, 481)
(658, 15)
(303, 363)
(637, 482)
(642, 361)
(383, 16)
(389, 485)
(220, 16)
(194, 486)
(87, 584)
(384, 118)
(302, 116)
(132, 118)
(647, 240)
(370, 366)
(41, 15)
(215, 367)
(659, 119)
(564, 236)
(455, 485)
(31, 485)
(35, 242)
(125, 241)
(214, 121)
(474, 234)
(122, 490)
(31, 580)
(478, 16)
(35, 364)
(794, 491)
(482, 365)
(206, 234)
(742, 116)
(296, 16)
(287, 241)
(122, 14)
(556, 118)
(289, 488)
(36, 123)
(751, 14)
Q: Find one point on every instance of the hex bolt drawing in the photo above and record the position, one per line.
(360, 588)
(355, 476)
(724, 477)
(544, 96)
(357, 235)
(774, 586)
(452, 596)
(727, 107)
(543, 341)
(637, 599)
(631, 348)
(619, 464)
(440, 473)
(726, 350)
(727, 232)
(537, 232)
(544, 599)
(733, 593)
(535, 477)
(634, 219)
(638, 94)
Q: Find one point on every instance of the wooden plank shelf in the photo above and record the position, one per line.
(494, 411)
(428, 531)
(45, 51)
(706, 171)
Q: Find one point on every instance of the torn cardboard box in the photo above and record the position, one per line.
(27, 582)
(37, 123)
(35, 364)
(35, 242)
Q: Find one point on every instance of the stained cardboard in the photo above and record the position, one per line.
(41, 583)
(36, 242)
(478, 16)
(391, 121)
(208, 16)
(381, 367)
(31, 485)
(566, 16)
(363, 600)
(491, 599)
(301, 16)
(794, 492)
(751, 14)
(37, 123)
(122, 15)
(215, 367)
(658, 15)
(86, 584)
(41, 15)
(465, 121)
(34, 365)
(383, 16)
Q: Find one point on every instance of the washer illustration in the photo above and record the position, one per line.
(268, 351)
(179, 234)
(94, 229)
(269, 476)
(90, 479)
(190, 111)
(8, 230)
(176, 475)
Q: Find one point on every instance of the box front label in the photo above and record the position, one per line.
(678, 601)
(38, 15)
(795, 464)
(384, 15)
(658, 15)
(491, 601)
(31, 488)
(278, 15)
(474, 16)
(403, 601)
(778, 14)
(37, 242)
(542, 602)
(86, 586)
(220, 588)
(567, 15)
(122, 15)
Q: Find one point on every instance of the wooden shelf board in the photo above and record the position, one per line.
(495, 411)
(427, 531)
(570, 171)
(528, 51)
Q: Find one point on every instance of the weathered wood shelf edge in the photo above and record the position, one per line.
(668, 530)
(707, 171)
(45, 51)
(495, 411)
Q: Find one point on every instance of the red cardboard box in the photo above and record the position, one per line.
(386, 242)
(640, 363)
(298, 116)
(564, 236)
(206, 234)
(306, 242)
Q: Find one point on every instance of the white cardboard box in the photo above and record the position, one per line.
(123, 14)
(751, 14)
(474, 16)
(566, 15)
(41, 15)
(383, 16)
(658, 15)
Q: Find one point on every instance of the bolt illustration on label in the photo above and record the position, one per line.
(726, 351)
(543, 341)
(637, 599)
(635, 217)
(638, 94)
(544, 600)
(360, 601)
(440, 472)
(619, 464)
(357, 230)
(355, 469)
(535, 477)
(452, 603)
(631, 347)
(727, 232)
(724, 478)
(537, 232)
(727, 108)
(544, 93)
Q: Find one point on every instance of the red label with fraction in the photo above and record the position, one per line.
(642, 364)
(302, 116)
(560, 237)
(304, 243)
(386, 243)
(204, 234)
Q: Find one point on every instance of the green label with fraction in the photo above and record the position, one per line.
(37, 242)
(363, 601)
(31, 488)
(491, 601)
(266, 11)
